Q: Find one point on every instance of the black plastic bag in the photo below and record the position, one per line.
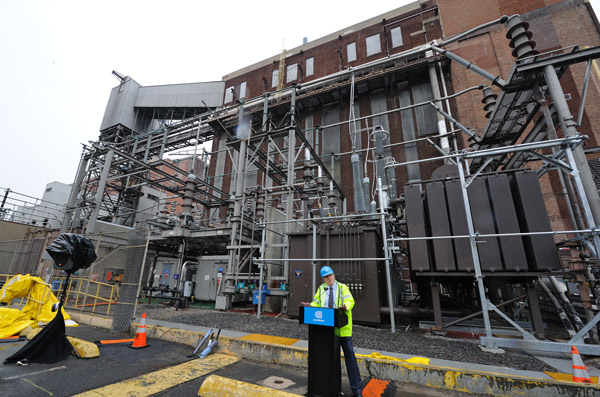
(72, 252)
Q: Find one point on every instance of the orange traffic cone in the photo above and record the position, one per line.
(140, 336)
(580, 373)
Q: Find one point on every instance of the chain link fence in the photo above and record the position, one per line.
(125, 310)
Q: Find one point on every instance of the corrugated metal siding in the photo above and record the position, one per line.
(181, 95)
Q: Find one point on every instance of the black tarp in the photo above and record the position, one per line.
(50, 345)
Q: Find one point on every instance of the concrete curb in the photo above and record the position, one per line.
(217, 386)
(392, 370)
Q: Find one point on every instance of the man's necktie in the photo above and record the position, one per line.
(330, 303)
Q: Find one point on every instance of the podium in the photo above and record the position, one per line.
(324, 366)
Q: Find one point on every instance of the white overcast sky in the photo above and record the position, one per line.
(57, 56)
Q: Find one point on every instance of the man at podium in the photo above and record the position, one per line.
(333, 294)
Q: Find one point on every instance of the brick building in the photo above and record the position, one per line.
(399, 76)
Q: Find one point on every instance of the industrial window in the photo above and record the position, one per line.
(373, 45)
(351, 51)
(292, 73)
(152, 197)
(310, 66)
(243, 90)
(275, 78)
(396, 34)
(228, 95)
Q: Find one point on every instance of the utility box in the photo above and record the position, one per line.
(207, 276)
(187, 289)
(165, 269)
(223, 302)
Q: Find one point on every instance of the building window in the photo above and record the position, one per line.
(310, 66)
(152, 197)
(292, 73)
(275, 78)
(243, 90)
(373, 45)
(228, 94)
(396, 34)
(48, 189)
(351, 51)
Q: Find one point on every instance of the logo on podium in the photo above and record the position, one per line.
(319, 316)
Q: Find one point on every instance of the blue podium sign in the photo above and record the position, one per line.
(319, 316)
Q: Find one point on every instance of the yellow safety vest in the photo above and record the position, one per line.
(343, 297)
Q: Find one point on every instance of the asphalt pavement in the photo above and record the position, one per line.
(118, 365)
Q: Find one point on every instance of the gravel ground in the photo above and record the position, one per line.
(403, 341)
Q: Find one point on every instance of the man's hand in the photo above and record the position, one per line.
(343, 307)
(305, 303)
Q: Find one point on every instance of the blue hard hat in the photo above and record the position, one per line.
(326, 271)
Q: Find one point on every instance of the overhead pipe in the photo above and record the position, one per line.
(441, 123)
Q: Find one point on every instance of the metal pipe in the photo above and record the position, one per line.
(412, 311)
(477, 314)
(569, 306)
(568, 126)
(455, 122)
(441, 123)
(496, 80)
(561, 313)
(416, 105)
(314, 259)
(583, 197)
(100, 192)
(523, 147)
(386, 254)
(474, 251)
(481, 235)
(586, 81)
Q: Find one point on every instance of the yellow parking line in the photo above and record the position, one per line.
(155, 382)
(217, 386)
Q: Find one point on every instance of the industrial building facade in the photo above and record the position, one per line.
(382, 149)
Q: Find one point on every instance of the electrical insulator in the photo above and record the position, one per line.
(520, 37)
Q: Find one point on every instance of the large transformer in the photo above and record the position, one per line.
(503, 203)
(365, 278)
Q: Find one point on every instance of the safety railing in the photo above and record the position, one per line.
(87, 295)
